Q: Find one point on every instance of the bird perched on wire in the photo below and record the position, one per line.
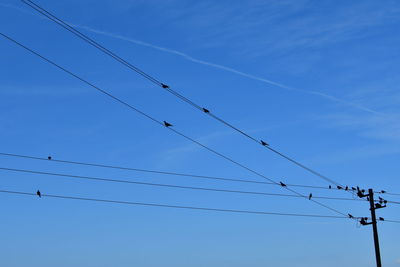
(38, 193)
(310, 196)
(167, 124)
(49, 157)
(282, 184)
(264, 143)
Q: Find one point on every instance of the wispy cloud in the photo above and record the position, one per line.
(219, 66)
(345, 156)
(40, 91)
(383, 95)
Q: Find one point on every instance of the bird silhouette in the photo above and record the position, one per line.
(164, 86)
(330, 187)
(206, 110)
(347, 188)
(353, 188)
(350, 216)
(49, 157)
(383, 191)
(310, 196)
(381, 218)
(167, 124)
(363, 221)
(264, 143)
(282, 184)
(339, 187)
(38, 193)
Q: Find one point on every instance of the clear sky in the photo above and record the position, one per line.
(318, 80)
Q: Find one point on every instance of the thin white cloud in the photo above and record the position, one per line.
(217, 66)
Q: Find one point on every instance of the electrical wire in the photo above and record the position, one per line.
(393, 194)
(392, 221)
(53, 160)
(197, 176)
(161, 123)
(172, 206)
(181, 207)
(104, 179)
(95, 44)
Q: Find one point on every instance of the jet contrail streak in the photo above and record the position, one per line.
(225, 68)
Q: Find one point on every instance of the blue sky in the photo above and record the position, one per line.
(317, 80)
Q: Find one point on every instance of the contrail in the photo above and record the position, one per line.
(214, 65)
(228, 69)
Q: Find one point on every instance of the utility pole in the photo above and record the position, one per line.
(374, 227)
(373, 206)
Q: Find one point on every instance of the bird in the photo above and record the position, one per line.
(310, 196)
(347, 188)
(339, 187)
(167, 124)
(164, 86)
(264, 143)
(353, 188)
(381, 218)
(350, 216)
(49, 157)
(206, 110)
(282, 184)
(330, 187)
(38, 193)
(383, 191)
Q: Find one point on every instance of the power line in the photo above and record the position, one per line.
(393, 194)
(393, 221)
(104, 179)
(173, 206)
(226, 179)
(95, 44)
(53, 160)
(167, 125)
